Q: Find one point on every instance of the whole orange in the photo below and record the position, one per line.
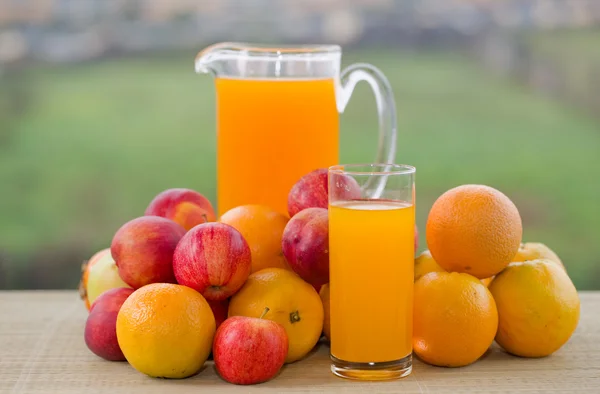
(455, 319)
(474, 229)
(424, 264)
(262, 227)
(166, 330)
(538, 308)
(535, 251)
(292, 302)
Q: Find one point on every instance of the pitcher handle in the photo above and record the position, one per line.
(386, 111)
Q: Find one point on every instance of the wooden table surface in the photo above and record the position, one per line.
(42, 351)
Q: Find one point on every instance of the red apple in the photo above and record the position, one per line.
(305, 245)
(143, 250)
(312, 191)
(101, 326)
(249, 350)
(219, 309)
(213, 259)
(186, 207)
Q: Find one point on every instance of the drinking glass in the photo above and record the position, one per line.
(371, 262)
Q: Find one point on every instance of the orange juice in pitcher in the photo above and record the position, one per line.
(277, 116)
(272, 132)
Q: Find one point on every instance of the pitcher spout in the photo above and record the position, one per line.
(210, 59)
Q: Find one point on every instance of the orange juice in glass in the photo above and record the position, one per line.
(371, 246)
(277, 116)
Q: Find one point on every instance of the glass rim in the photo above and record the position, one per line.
(393, 169)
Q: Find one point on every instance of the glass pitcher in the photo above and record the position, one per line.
(277, 116)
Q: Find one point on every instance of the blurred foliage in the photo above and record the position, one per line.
(101, 139)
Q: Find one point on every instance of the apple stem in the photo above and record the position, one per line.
(264, 312)
(205, 218)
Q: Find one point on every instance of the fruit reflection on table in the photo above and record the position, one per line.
(252, 286)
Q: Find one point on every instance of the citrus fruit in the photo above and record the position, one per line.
(424, 264)
(455, 319)
(292, 302)
(262, 227)
(324, 294)
(538, 308)
(535, 251)
(166, 330)
(474, 229)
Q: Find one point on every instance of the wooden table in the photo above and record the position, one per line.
(42, 351)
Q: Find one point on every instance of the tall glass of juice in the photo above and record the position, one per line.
(371, 262)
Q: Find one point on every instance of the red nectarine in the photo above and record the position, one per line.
(101, 326)
(305, 245)
(184, 206)
(312, 191)
(143, 250)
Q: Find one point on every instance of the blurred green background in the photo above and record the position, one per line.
(86, 143)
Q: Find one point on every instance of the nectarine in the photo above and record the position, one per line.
(186, 207)
(143, 250)
(305, 245)
(101, 326)
(312, 191)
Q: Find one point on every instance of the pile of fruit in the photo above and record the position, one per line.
(478, 282)
(177, 285)
(250, 289)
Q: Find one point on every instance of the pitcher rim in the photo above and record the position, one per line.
(276, 49)
(268, 51)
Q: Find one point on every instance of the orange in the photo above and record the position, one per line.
(455, 319)
(324, 294)
(538, 308)
(262, 227)
(292, 302)
(474, 229)
(166, 330)
(424, 264)
(535, 251)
